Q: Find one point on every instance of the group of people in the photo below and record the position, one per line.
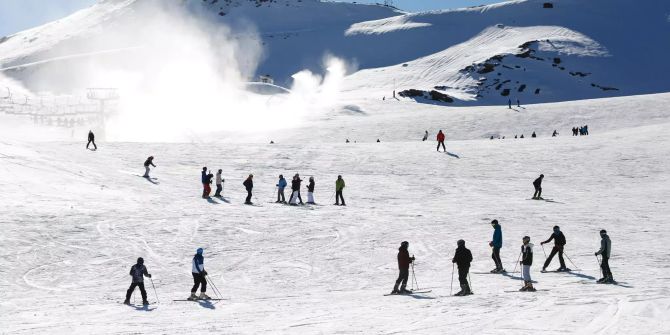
(580, 131)
(295, 190)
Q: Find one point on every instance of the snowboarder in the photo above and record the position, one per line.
(463, 258)
(199, 276)
(249, 186)
(538, 188)
(149, 161)
(91, 140)
(526, 262)
(559, 244)
(339, 187)
(208, 182)
(496, 245)
(205, 186)
(440, 141)
(533, 135)
(605, 251)
(219, 184)
(404, 260)
(281, 185)
(138, 272)
(425, 136)
(295, 191)
(310, 191)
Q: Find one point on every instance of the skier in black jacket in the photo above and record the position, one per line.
(559, 243)
(463, 258)
(249, 186)
(295, 190)
(538, 188)
(147, 163)
(138, 271)
(91, 140)
(404, 260)
(605, 251)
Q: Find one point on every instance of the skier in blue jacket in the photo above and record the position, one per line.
(281, 185)
(199, 276)
(496, 245)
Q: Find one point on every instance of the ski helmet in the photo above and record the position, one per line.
(199, 251)
(557, 228)
(526, 238)
(404, 244)
(140, 261)
(460, 243)
(494, 221)
(603, 232)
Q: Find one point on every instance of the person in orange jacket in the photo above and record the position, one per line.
(440, 141)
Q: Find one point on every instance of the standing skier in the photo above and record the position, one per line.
(533, 135)
(147, 163)
(295, 190)
(310, 191)
(509, 103)
(463, 258)
(219, 184)
(425, 136)
(496, 245)
(605, 251)
(199, 276)
(281, 185)
(404, 261)
(91, 140)
(138, 271)
(538, 188)
(208, 187)
(249, 186)
(526, 262)
(203, 180)
(440, 141)
(559, 243)
(339, 187)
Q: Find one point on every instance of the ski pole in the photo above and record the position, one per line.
(414, 276)
(451, 289)
(469, 280)
(517, 262)
(600, 266)
(156, 293)
(544, 252)
(573, 263)
(216, 289)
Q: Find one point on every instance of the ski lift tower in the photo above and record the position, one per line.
(103, 96)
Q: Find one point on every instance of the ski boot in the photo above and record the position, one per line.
(404, 290)
(525, 286)
(145, 303)
(461, 292)
(530, 287)
(609, 280)
(601, 280)
(126, 302)
(204, 296)
(466, 290)
(543, 270)
(193, 297)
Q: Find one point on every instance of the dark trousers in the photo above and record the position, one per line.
(538, 192)
(199, 281)
(463, 274)
(496, 258)
(280, 195)
(338, 197)
(132, 288)
(556, 250)
(248, 200)
(605, 266)
(291, 197)
(219, 188)
(442, 144)
(91, 142)
(402, 278)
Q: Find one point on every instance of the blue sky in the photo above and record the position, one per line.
(17, 15)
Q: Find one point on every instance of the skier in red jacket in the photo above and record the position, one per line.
(440, 141)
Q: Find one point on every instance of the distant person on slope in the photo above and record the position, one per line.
(559, 244)
(463, 258)
(281, 185)
(249, 186)
(137, 272)
(440, 141)
(554, 134)
(91, 140)
(526, 262)
(147, 163)
(295, 190)
(538, 188)
(509, 103)
(310, 191)
(404, 261)
(203, 180)
(605, 251)
(496, 245)
(533, 135)
(208, 183)
(339, 187)
(219, 184)
(425, 136)
(199, 276)
(586, 129)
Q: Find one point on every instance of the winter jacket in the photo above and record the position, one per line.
(203, 177)
(198, 264)
(282, 183)
(527, 254)
(248, 184)
(138, 271)
(219, 180)
(403, 258)
(310, 187)
(538, 182)
(605, 246)
(497, 236)
(91, 137)
(295, 184)
(440, 137)
(339, 185)
(149, 162)
(462, 257)
(208, 179)
(558, 237)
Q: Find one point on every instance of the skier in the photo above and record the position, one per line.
(496, 245)
(339, 187)
(378, 141)
(521, 136)
(199, 276)
(425, 136)
(586, 129)
(138, 271)
(295, 190)
(219, 184)
(559, 244)
(518, 103)
(310, 191)
(91, 140)
(526, 262)
(605, 251)
(440, 141)
(149, 161)
(538, 188)
(208, 182)
(509, 103)
(554, 133)
(280, 189)
(249, 185)
(205, 186)
(533, 135)
(463, 258)
(404, 261)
